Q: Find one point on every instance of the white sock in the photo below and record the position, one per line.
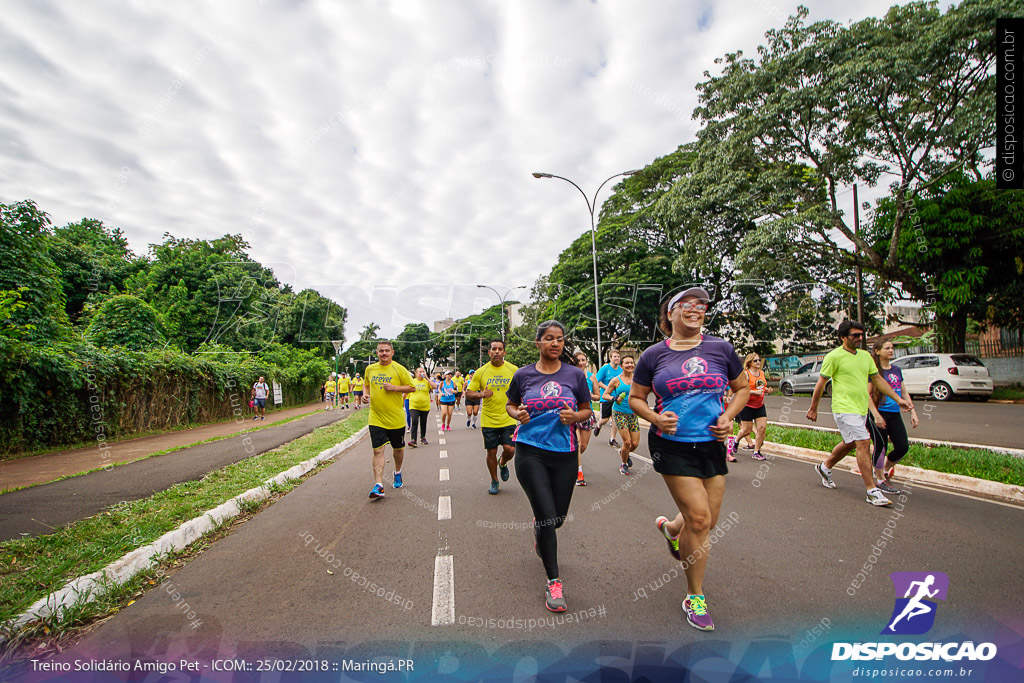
(826, 470)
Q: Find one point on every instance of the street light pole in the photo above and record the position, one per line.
(591, 207)
(501, 300)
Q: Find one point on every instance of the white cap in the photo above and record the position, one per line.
(698, 292)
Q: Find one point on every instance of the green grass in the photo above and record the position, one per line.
(970, 462)
(141, 435)
(165, 451)
(1014, 392)
(31, 568)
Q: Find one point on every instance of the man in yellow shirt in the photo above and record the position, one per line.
(357, 389)
(343, 384)
(490, 383)
(460, 386)
(330, 386)
(387, 383)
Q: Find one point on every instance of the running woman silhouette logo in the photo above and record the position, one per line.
(551, 389)
(914, 612)
(695, 366)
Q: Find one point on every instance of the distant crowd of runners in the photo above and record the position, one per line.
(540, 417)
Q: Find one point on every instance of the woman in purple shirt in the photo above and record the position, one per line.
(689, 372)
(548, 398)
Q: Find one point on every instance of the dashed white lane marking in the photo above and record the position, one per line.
(443, 612)
(444, 474)
(442, 442)
(444, 454)
(444, 508)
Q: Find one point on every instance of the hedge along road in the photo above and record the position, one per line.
(39, 509)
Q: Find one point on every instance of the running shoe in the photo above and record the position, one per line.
(629, 461)
(614, 443)
(673, 543)
(877, 498)
(729, 457)
(263, 417)
(826, 478)
(580, 481)
(377, 491)
(756, 455)
(886, 487)
(398, 480)
(504, 470)
(696, 608)
(553, 595)
(624, 469)
(424, 442)
(412, 444)
(597, 430)
(474, 425)
(494, 488)
(891, 473)
(748, 446)
(856, 470)
(467, 421)
(255, 417)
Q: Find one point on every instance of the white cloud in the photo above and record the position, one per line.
(364, 144)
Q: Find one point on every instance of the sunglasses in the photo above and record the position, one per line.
(856, 335)
(692, 306)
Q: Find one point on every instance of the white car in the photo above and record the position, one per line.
(944, 375)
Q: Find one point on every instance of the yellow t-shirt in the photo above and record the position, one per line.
(497, 380)
(460, 384)
(357, 384)
(420, 399)
(343, 385)
(387, 408)
(329, 386)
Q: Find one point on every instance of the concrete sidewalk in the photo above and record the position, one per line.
(44, 468)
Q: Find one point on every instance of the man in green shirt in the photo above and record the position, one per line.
(387, 383)
(852, 372)
(490, 383)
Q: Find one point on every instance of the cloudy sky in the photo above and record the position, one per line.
(378, 151)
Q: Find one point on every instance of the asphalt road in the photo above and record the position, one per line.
(41, 509)
(284, 583)
(990, 424)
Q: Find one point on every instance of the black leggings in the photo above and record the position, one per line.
(894, 431)
(549, 478)
(418, 417)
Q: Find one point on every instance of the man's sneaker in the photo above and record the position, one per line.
(673, 543)
(553, 595)
(412, 444)
(886, 487)
(398, 480)
(756, 455)
(629, 461)
(503, 469)
(614, 443)
(494, 488)
(424, 441)
(826, 478)
(474, 425)
(580, 481)
(262, 417)
(377, 491)
(624, 469)
(597, 430)
(255, 417)
(877, 498)
(696, 609)
(467, 421)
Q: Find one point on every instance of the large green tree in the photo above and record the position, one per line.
(128, 322)
(904, 98)
(964, 245)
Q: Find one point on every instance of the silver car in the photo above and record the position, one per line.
(803, 380)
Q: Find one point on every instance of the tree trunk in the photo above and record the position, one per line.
(951, 332)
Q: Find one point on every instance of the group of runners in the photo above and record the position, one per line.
(540, 417)
(337, 389)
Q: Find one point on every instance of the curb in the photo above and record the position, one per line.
(1002, 450)
(86, 588)
(955, 483)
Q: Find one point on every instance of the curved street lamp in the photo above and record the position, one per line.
(501, 299)
(591, 207)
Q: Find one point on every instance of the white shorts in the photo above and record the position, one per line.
(852, 427)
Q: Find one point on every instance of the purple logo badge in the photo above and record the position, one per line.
(916, 592)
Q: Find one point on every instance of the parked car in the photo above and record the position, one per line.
(945, 375)
(803, 380)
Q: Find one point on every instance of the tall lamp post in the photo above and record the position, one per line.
(591, 207)
(501, 299)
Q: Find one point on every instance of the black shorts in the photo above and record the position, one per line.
(458, 395)
(473, 401)
(749, 414)
(700, 459)
(497, 436)
(606, 409)
(380, 437)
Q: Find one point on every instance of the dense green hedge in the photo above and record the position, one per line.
(68, 393)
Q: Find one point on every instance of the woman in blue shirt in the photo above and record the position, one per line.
(886, 424)
(548, 398)
(625, 419)
(446, 399)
